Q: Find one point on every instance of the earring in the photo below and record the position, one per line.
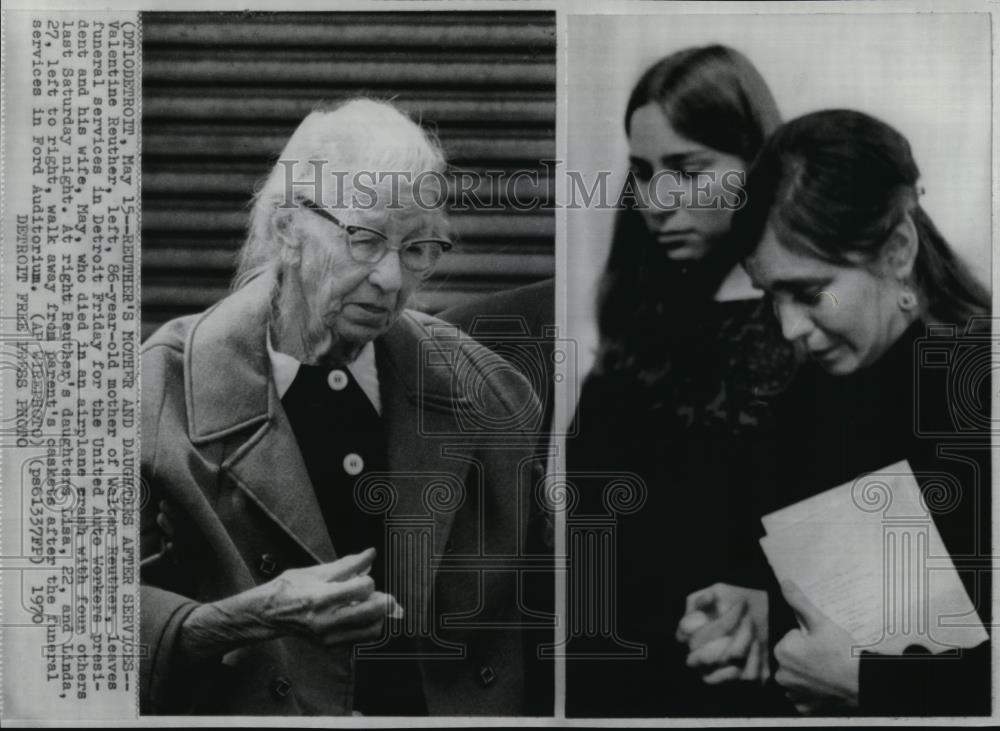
(907, 299)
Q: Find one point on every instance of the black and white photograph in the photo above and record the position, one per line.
(472, 363)
(780, 269)
(343, 513)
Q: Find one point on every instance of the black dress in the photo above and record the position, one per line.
(695, 442)
(927, 401)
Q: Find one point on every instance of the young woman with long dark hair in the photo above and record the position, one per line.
(677, 400)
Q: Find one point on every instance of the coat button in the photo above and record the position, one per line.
(487, 675)
(268, 564)
(353, 464)
(337, 380)
(281, 687)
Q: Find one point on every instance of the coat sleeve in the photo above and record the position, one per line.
(165, 687)
(163, 613)
(921, 684)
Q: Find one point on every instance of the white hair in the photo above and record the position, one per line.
(330, 147)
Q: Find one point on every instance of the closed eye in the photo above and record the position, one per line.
(641, 169)
(808, 296)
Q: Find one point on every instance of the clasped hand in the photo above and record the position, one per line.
(725, 629)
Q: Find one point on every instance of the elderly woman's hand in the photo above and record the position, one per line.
(725, 629)
(815, 664)
(330, 604)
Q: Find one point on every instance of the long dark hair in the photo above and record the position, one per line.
(834, 184)
(712, 95)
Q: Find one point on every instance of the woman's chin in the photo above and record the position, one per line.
(842, 365)
(687, 254)
(360, 333)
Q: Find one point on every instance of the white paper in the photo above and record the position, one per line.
(870, 557)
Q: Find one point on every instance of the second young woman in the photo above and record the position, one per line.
(677, 399)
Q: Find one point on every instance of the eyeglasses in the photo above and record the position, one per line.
(368, 246)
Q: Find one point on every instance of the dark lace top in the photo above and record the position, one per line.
(738, 364)
(698, 440)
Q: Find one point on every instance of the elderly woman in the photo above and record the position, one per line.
(308, 432)
(857, 273)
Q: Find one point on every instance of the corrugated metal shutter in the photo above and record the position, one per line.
(223, 91)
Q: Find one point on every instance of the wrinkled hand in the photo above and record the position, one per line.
(330, 604)
(725, 629)
(816, 666)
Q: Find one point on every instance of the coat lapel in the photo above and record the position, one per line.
(230, 395)
(419, 408)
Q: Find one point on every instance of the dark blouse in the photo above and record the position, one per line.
(330, 427)
(696, 441)
(926, 400)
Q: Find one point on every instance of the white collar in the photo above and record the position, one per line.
(284, 368)
(737, 285)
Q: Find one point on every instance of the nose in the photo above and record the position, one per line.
(663, 195)
(795, 321)
(387, 274)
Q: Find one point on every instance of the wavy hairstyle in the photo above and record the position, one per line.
(834, 184)
(714, 96)
(334, 143)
